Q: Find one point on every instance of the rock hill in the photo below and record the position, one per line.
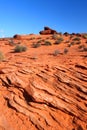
(43, 87)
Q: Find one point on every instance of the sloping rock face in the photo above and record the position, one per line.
(51, 98)
(44, 93)
(48, 30)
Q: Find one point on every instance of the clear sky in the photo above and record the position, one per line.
(30, 16)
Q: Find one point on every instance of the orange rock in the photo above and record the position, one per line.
(47, 30)
(40, 90)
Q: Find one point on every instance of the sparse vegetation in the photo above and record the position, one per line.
(55, 36)
(32, 38)
(47, 43)
(85, 36)
(39, 41)
(1, 56)
(65, 51)
(56, 52)
(36, 45)
(82, 48)
(59, 40)
(11, 42)
(20, 48)
(76, 39)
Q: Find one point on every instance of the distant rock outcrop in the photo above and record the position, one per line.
(16, 36)
(48, 30)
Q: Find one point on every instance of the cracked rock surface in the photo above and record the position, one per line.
(48, 93)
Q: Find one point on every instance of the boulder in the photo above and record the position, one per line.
(47, 31)
(16, 36)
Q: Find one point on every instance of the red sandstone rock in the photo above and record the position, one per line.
(48, 30)
(40, 91)
(17, 36)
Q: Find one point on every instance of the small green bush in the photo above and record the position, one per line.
(59, 40)
(39, 41)
(55, 36)
(36, 45)
(76, 39)
(47, 43)
(32, 38)
(56, 52)
(1, 56)
(20, 48)
(85, 36)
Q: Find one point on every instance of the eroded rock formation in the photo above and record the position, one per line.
(47, 30)
(44, 93)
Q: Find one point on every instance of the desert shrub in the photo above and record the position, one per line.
(85, 36)
(1, 56)
(47, 43)
(54, 36)
(59, 40)
(39, 41)
(36, 45)
(32, 38)
(76, 39)
(56, 52)
(11, 42)
(20, 48)
(65, 51)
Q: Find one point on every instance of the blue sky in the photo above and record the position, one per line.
(30, 16)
